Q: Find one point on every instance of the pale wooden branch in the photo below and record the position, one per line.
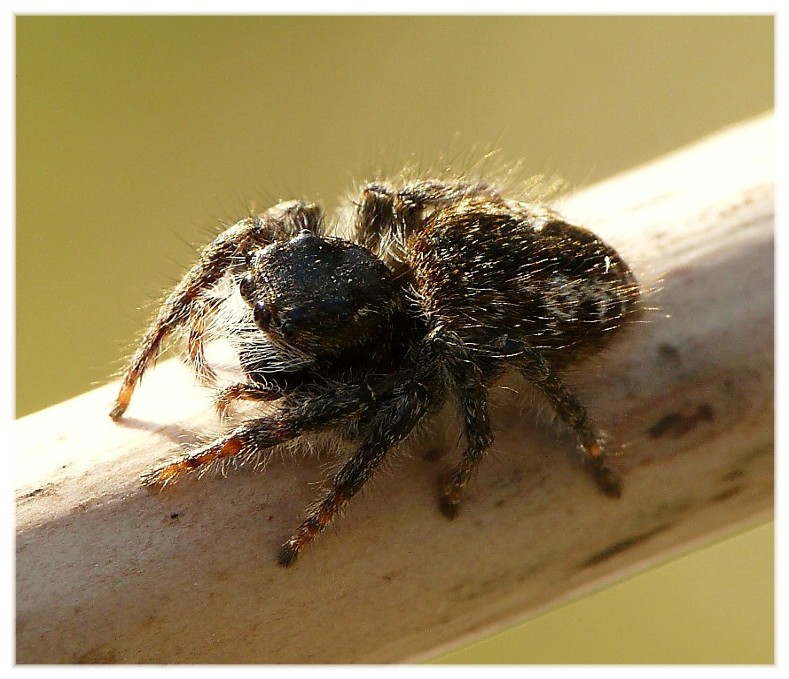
(110, 572)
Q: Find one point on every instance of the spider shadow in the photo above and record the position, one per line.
(176, 433)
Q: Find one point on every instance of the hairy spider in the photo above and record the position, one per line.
(441, 287)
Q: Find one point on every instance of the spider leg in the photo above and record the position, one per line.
(569, 409)
(199, 319)
(437, 191)
(297, 415)
(247, 392)
(385, 210)
(227, 251)
(393, 421)
(466, 381)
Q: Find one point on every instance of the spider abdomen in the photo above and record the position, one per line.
(494, 269)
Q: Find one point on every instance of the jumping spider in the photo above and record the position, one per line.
(441, 287)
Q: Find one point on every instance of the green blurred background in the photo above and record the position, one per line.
(138, 136)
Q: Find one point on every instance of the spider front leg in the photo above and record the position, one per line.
(199, 320)
(246, 392)
(392, 422)
(185, 306)
(569, 409)
(298, 414)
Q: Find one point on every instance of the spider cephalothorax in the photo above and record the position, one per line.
(444, 286)
(324, 296)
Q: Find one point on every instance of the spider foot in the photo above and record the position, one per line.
(313, 525)
(607, 479)
(223, 448)
(117, 411)
(161, 476)
(449, 508)
(123, 399)
(288, 553)
(451, 494)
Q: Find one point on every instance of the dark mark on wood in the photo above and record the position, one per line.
(622, 545)
(46, 489)
(667, 352)
(728, 493)
(733, 475)
(677, 424)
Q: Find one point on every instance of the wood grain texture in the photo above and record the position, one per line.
(110, 572)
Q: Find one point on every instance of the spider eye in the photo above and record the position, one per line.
(288, 329)
(247, 288)
(262, 316)
(291, 321)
